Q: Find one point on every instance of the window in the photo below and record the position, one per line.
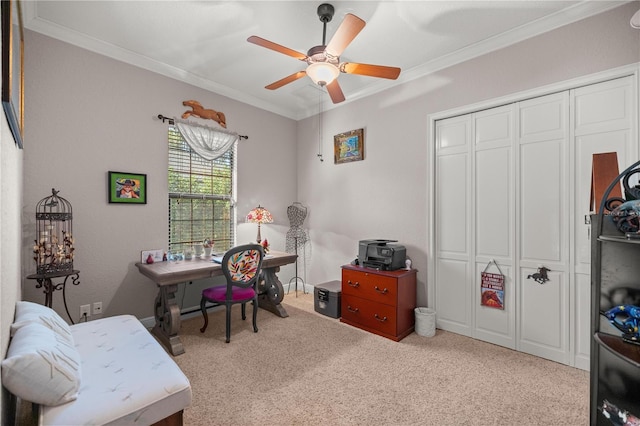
(201, 196)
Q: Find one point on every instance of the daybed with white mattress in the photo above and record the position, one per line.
(108, 371)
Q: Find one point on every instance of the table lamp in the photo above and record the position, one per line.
(259, 215)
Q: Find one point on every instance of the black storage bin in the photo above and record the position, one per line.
(326, 298)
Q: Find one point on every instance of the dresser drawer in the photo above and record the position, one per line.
(369, 315)
(374, 287)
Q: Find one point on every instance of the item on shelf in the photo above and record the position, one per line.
(626, 216)
(618, 416)
(625, 318)
(631, 192)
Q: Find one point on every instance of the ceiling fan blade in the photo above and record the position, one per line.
(335, 92)
(288, 79)
(275, 46)
(346, 32)
(371, 70)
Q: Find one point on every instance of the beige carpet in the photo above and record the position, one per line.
(309, 369)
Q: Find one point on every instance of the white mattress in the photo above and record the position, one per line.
(127, 377)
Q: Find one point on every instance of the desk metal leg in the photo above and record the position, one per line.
(167, 315)
(272, 293)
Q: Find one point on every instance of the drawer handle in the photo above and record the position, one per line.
(350, 309)
(385, 291)
(354, 285)
(380, 319)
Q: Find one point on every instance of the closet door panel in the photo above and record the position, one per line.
(543, 119)
(452, 205)
(542, 195)
(493, 325)
(493, 218)
(453, 301)
(544, 316)
(582, 327)
(603, 122)
(604, 106)
(493, 180)
(452, 225)
(453, 134)
(543, 209)
(494, 127)
(493, 203)
(542, 189)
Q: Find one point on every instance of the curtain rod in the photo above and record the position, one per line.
(172, 121)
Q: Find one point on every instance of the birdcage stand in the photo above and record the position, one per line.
(296, 278)
(45, 281)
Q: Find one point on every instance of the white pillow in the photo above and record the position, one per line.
(29, 312)
(41, 366)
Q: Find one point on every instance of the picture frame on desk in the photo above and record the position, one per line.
(13, 68)
(127, 188)
(348, 146)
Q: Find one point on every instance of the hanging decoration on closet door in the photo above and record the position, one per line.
(492, 287)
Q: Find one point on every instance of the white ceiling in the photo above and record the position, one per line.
(204, 42)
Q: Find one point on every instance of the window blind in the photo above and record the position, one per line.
(201, 196)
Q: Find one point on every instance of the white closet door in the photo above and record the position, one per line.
(512, 184)
(603, 117)
(493, 219)
(543, 226)
(452, 293)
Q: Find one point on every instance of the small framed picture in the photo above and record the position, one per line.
(348, 146)
(127, 188)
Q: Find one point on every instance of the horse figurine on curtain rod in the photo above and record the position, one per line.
(208, 114)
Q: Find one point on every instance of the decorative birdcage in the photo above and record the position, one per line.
(53, 249)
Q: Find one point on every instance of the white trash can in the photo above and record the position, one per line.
(425, 322)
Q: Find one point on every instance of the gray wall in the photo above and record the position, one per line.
(386, 195)
(88, 114)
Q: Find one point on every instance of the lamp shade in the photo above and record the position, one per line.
(259, 215)
(322, 73)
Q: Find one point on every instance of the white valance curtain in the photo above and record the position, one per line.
(208, 142)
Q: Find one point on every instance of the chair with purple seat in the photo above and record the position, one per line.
(241, 266)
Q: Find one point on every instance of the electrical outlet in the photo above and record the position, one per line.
(97, 308)
(85, 309)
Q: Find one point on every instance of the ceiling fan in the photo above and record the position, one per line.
(323, 61)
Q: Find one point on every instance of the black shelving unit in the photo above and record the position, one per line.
(615, 280)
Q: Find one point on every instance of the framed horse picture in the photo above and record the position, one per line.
(127, 188)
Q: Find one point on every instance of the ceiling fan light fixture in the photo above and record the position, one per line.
(322, 73)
